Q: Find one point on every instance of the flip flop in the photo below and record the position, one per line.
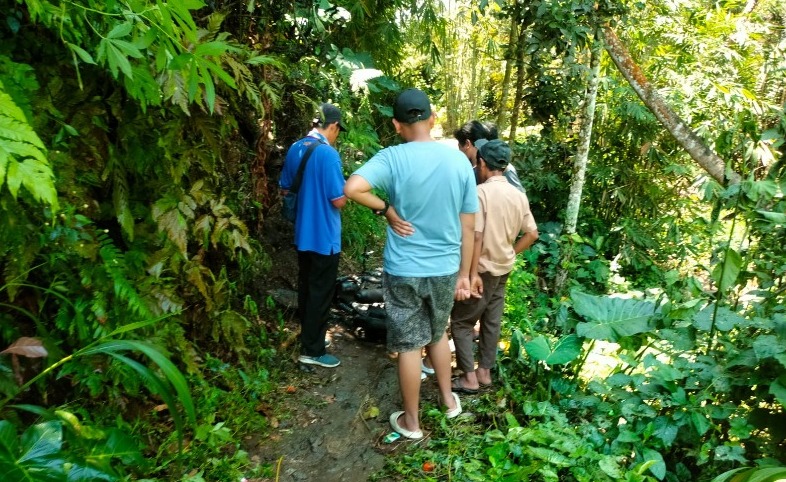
(425, 369)
(401, 430)
(457, 387)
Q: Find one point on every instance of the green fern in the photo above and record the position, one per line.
(114, 265)
(23, 161)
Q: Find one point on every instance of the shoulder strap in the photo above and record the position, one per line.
(299, 176)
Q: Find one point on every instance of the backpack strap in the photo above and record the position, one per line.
(302, 167)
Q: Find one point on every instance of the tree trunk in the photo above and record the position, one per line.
(509, 57)
(520, 76)
(580, 163)
(585, 135)
(681, 132)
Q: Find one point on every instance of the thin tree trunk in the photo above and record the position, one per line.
(520, 76)
(682, 133)
(580, 160)
(585, 135)
(509, 56)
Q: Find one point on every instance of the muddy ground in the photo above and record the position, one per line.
(332, 426)
(337, 416)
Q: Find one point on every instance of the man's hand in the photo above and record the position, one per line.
(398, 225)
(476, 286)
(463, 291)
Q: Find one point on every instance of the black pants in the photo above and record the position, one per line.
(316, 285)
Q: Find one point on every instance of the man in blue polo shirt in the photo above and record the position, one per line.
(317, 229)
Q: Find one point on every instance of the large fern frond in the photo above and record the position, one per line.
(23, 159)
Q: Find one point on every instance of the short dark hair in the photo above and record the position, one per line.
(474, 130)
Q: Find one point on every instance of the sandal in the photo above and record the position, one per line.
(401, 430)
(457, 387)
(456, 411)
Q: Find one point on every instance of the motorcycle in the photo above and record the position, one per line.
(359, 301)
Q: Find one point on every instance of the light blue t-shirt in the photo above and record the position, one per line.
(318, 223)
(429, 184)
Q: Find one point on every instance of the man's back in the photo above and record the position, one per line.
(504, 213)
(429, 184)
(318, 224)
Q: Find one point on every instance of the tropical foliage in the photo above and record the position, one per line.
(139, 149)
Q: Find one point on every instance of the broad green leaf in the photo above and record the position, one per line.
(658, 469)
(35, 459)
(730, 453)
(611, 467)
(40, 442)
(727, 270)
(81, 473)
(550, 456)
(766, 346)
(8, 441)
(727, 476)
(120, 200)
(768, 474)
(120, 60)
(539, 348)
(516, 348)
(725, 319)
(82, 53)
(778, 390)
(611, 318)
(756, 189)
(567, 349)
(775, 218)
(127, 48)
(120, 30)
(700, 422)
(214, 48)
(119, 445)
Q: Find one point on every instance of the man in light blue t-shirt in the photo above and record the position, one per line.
(317, 229)
(432, 200)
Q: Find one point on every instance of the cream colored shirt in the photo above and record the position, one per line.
(504, 214)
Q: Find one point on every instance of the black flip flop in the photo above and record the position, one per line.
(457, 387)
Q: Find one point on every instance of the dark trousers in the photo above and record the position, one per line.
(488, 310)
(316, 285)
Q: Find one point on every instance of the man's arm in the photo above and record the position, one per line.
(340, 202)
(524, 242)
(463, 290)
(476, 283)
(359, 190)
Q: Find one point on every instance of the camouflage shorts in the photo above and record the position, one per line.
(418, 309)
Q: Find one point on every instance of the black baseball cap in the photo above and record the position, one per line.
(328, 114)
(412, 106)
(496, 153)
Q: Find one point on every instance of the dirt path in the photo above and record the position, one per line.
(337, 416)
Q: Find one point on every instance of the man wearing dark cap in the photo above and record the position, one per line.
(317, 229)
(431, 203)
(504, 215)
(471, 132)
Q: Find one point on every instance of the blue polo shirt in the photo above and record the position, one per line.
(318, 224)
(429, 184)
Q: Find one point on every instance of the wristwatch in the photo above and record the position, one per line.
(381, 212)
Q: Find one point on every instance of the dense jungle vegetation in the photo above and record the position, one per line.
(139, 149)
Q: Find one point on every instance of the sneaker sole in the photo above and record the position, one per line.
(311, 361)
